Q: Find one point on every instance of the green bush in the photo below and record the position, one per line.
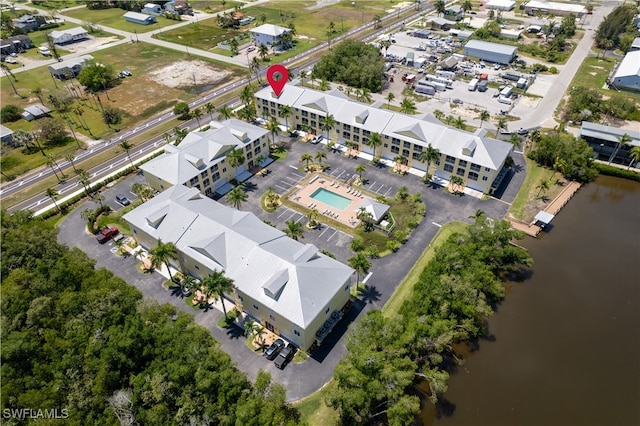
(608, 170)
(9, 114)
(48, 26)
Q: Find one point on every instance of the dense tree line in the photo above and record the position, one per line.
(353, 63)
(455, 294)
(615, 25)
(571, 156)
(81, 339)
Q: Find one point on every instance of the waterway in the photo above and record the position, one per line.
(565, 344)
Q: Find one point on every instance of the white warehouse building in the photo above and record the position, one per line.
(627, 76)
(490, 52)
(501, 4)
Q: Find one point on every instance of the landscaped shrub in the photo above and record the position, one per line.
(608, 170)
(9, 114)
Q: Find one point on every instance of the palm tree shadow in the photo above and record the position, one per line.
(234, 331)
(176, 290)
(517, 168)
(370, 294)
(250, 187)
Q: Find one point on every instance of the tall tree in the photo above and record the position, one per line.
(294, 230)
(285, 111)
(375, 140)
(263, 51)
(634, 153)
(127, 146)
(274, 127)
(210, 108)
(360, 263)
(236, 158)
(622, 141)
(237, 196)
(483, 116)
(407, 106)
(327, 124)
(85, 181)
(390, 98)
(429, 155)
(217, 283)
(319, 156)
(53, 194)
(197, 113)
(306, 157)
(164, 253)
(360, 170)
(225, 112)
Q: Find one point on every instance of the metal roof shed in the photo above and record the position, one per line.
(490, 52)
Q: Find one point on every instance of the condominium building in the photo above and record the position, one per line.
(289, 287)
(200, 160)
(477, 159)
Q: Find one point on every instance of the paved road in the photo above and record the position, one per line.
(41, 201)
(300, 380)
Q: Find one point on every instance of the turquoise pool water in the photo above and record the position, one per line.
(331, 198)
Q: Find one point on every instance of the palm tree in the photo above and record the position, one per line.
(543, 186)
(180, 134)
(390, 98)
(293, 230)
(98, 198)
(439, 114)
(440, 7)
(407, 106)
(466, 6)
(271, 197)
(197, 113)
(210, 108)
(502, 124)
(403, 193)
(306, 157)
(429, 155)
(313, 216)
(400, 160)
(188, 282)
(70, 158)
(375, 140)
(327, 123)
(324, 85)
(84, 179)
(246, 95)
(51, 162)
(319, 156)
(622, 141)
(53, 194)
(303, 74)
(459, 123)
(635, 155)
(514, 139)
(127, 147)
(360, 170)
(235, 158)
(225, 112)
(483, 116)
(258, 160)
(237, 196)
(263, 51)
(164, 253)
(218, 284)
(360, 263)
(285, 111)
(274, 127)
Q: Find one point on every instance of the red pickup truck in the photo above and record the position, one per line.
(106, 233)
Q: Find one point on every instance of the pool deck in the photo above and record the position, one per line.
(348, 216)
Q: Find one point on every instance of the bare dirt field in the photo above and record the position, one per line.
(90, 44)
(187, 73)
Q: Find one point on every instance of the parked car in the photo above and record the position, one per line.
(457, 101)
(273, 350)
(186, 292)
(522, 131)
(122, 200)
(285, 356)
(317, 139)
(105, 234)
(127, 73)
(251, 48)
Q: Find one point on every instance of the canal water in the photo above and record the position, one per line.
(564, 346)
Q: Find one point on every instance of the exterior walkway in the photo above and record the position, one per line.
(553, 208)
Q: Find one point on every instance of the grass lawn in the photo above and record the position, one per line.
(209, 6)
(203, 35)
(530, 199)
(113, 18)
(53, 5)
(343, 15)
(314, 411)
(405, 289)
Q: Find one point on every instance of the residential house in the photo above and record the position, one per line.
(33, 112)
(28, 23)
(440, 24)
(605, 141)
(479, 160)
(6, 134)
(635, 45)
(152, 9)
(289, 287)
(268, 34)
(627, 76)
(181, 7)
(454, 12)
(70, 35)
(15, 44)
(554, 8)
(69, 68)
(200, 160)
(139, 18)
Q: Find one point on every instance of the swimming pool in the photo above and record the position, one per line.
(331, 198)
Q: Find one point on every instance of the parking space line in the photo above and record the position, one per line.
(371, 185)
(329, 239)
(385, 194)
(300, 218)
(293, 167)
(298, 176)
(278, 186)
(284, 211)
(341, 173)
(346, 235)
(324, 230)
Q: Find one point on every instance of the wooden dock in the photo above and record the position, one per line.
(553, 208)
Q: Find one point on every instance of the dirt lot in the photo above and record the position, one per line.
(187, 73)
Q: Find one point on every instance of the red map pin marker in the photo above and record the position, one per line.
(277, 76)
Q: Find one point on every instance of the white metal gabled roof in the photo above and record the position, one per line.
(293, 279)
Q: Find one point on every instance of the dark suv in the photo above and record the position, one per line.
(122, 200)
(273, 350)
(285, 356)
